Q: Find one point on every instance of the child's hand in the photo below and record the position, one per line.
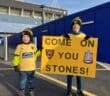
(66, 36)
(87, 37)
(38, 53)
(16, 69)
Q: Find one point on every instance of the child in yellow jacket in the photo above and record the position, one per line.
(24, 61)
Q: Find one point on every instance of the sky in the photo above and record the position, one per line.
(71, 6)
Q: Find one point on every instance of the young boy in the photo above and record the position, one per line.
(76, 32)
(24, 62)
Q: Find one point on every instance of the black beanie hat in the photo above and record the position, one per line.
(76, 20)
(28, 32)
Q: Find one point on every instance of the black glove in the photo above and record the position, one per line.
(16, 69)
(40, 49)
(87, 37)
(66, 36)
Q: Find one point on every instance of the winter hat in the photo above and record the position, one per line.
(28, 32)
(76, 20)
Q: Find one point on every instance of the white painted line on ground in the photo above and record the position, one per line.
(6, 62)
(12, 87)
(103, 65)
(5, 69)
(103, 69)
(63, 84)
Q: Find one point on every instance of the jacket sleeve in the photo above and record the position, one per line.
(38, 53)
(16, 58)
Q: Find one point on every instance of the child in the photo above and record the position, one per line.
(76, 32)
(24, 61)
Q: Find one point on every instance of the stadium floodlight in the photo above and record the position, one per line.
(55, 3)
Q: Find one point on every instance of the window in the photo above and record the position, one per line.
(27, 13)
(3, 10)
(38, 15)
(15, 11)
(48, 16)
(57, 16)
